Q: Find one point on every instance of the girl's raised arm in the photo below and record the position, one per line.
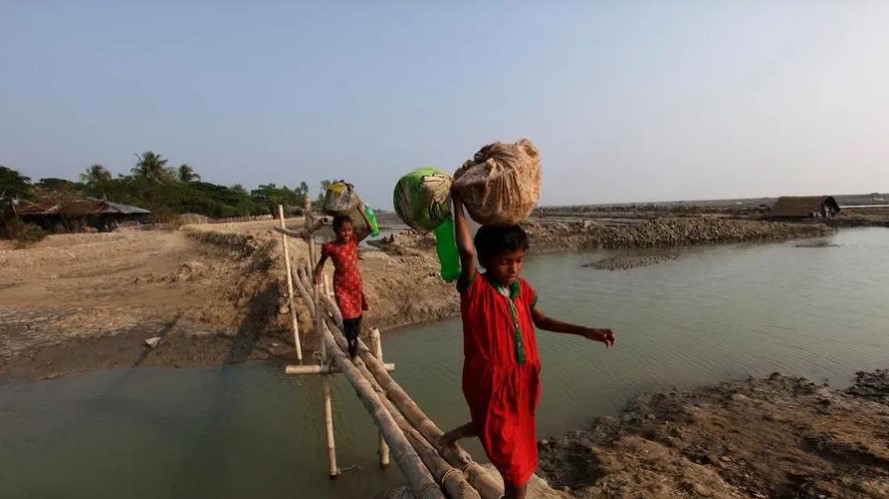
(465, 246)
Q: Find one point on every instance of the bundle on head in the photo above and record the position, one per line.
(340, 199)
(500, 186)
(422, 199)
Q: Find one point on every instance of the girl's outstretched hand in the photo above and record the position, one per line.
(603, 335)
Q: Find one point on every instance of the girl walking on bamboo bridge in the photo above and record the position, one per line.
(501, 370)
(347, 284)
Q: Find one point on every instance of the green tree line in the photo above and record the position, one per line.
(154, 185)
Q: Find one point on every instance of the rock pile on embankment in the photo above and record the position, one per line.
(664, 232)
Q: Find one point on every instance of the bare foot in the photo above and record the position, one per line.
(447, 441)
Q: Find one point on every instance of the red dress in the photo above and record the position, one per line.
(347, 284)
(501, 374)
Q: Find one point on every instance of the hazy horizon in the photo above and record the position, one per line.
(628, 102)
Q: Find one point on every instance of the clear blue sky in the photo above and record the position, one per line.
(628, 101)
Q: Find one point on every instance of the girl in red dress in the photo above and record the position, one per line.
(501, 370)
(347, 285)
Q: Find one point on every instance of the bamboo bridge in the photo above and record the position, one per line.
(407, 434)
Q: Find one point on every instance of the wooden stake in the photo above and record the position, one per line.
(378, 353)
(320, 369)
(293, 321)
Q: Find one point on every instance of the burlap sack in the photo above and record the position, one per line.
(501, 185)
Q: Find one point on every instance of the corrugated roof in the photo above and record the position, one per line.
(79, 207)
(126, 209)
(802, 206)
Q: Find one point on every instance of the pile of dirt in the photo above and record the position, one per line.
(664, 232)
(775, 437)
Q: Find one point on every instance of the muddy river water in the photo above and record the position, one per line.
(251, 431)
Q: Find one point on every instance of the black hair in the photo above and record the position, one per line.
(338, 222)
(491, 241)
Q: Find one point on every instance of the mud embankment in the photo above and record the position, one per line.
(777, 437)
(664, 232)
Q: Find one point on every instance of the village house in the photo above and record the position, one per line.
(823, 207)
(78, 215)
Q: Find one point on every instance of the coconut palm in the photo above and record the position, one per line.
(153, 167)
(186, 173)
(95, 175)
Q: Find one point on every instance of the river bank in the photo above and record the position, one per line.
(774, 437)
(753, 438)
(215, 294)
(214, 280)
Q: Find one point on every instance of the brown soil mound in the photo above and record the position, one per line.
(778, 437)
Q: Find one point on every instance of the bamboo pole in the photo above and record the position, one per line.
(327, 289)
(293, 321)
(453, 481)
(333, 470)
(328, 304)
(378, 353)
(328, 408)
(310, 235)
(301, 287)
(302, 233)
(324, 369)
(407, 459)
(486, 485)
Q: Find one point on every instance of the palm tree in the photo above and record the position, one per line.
(187, 174)
(95, 175)
(153, 167)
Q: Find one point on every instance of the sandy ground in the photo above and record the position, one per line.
(215, 294)
(78, 302)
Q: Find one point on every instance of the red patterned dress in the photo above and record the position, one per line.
(347, 284)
